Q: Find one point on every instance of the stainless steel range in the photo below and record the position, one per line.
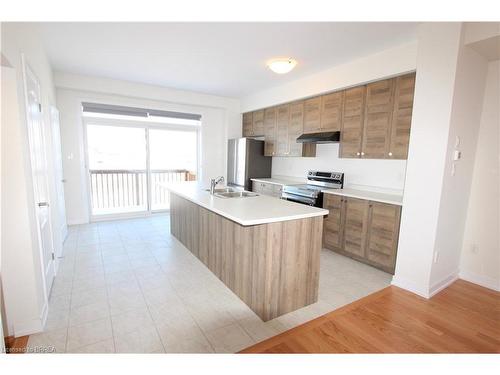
(310, 193)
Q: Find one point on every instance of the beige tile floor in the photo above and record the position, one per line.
(128, 286)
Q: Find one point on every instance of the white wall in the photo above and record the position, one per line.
(386, 175)
(464, 128)
(480, 260)
(448, 94)
(221, 119)
(24, 293)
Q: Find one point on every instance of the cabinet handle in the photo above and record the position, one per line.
(358, 153)
(390, 153)
(362, 154)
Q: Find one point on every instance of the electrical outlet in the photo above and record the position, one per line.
(436, 256)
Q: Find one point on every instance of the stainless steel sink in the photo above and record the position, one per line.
(236, 194)
(222, 190)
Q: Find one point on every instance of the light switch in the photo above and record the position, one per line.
(457, 154)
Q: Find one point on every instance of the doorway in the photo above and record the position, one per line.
(129, 164)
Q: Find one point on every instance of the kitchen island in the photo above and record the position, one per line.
(264, 249)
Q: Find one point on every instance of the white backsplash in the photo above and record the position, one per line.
(386, 176)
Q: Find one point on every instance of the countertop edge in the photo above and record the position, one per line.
(361, 196)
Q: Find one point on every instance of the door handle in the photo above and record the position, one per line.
(63, 180)
(43, 204)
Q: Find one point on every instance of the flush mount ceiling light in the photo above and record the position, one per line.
(282, 66)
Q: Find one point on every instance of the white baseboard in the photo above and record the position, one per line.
(28, 328)
(443, 283)
(33, 326)
(409, 286)
(487, 282)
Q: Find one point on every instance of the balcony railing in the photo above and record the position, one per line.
(122, 190)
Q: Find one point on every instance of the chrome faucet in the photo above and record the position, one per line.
(214, 182)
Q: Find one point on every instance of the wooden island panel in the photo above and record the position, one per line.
(273, 268)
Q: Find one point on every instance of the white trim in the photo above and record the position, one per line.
(77, 222)
(443, 283)
(485, 281)
(28, 328)
(127, 215)
(409, 286)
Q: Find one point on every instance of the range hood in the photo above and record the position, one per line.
(327, 137)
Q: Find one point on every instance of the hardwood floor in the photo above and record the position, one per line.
(463, 318)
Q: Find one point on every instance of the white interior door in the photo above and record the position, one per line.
(40, 173)
(58, 168)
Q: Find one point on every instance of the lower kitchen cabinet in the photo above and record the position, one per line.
(355, 227)
(363, 230)
(263, 188)
(383, 234)
(333, 223)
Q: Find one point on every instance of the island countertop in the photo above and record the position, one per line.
(261, 209)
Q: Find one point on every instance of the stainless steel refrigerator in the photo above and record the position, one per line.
(246, 160)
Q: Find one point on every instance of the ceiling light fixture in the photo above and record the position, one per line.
(282, 66)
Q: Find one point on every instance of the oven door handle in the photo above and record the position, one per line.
(298, 199)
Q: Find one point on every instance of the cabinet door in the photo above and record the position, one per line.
(333, 226)
(383, 234)
(312, 115)
(356, 220)
(295, 128)
(258, 123)
(247, 124)
(331, 111)
(401, 118)
(351, 134)
(378, 116)
(269, 131)
(282, 121)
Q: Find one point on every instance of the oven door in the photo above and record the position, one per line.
(298, 199)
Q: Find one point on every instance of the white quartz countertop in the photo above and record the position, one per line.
(347, 192)
(261, 209)
(366, 194)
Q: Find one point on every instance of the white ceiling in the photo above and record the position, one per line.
(227, 59)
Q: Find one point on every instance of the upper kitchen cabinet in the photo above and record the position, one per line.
(401, 118)
(253, 124)
(282, 123)
(258, 123)
(374, 121)
(378, 117)
(351, 133)
(270, 117)
(247, 124)
(295, 130)
(312, 115)
(331, 111)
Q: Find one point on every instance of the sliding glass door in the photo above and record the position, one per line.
(173, 157)
(129, 165)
